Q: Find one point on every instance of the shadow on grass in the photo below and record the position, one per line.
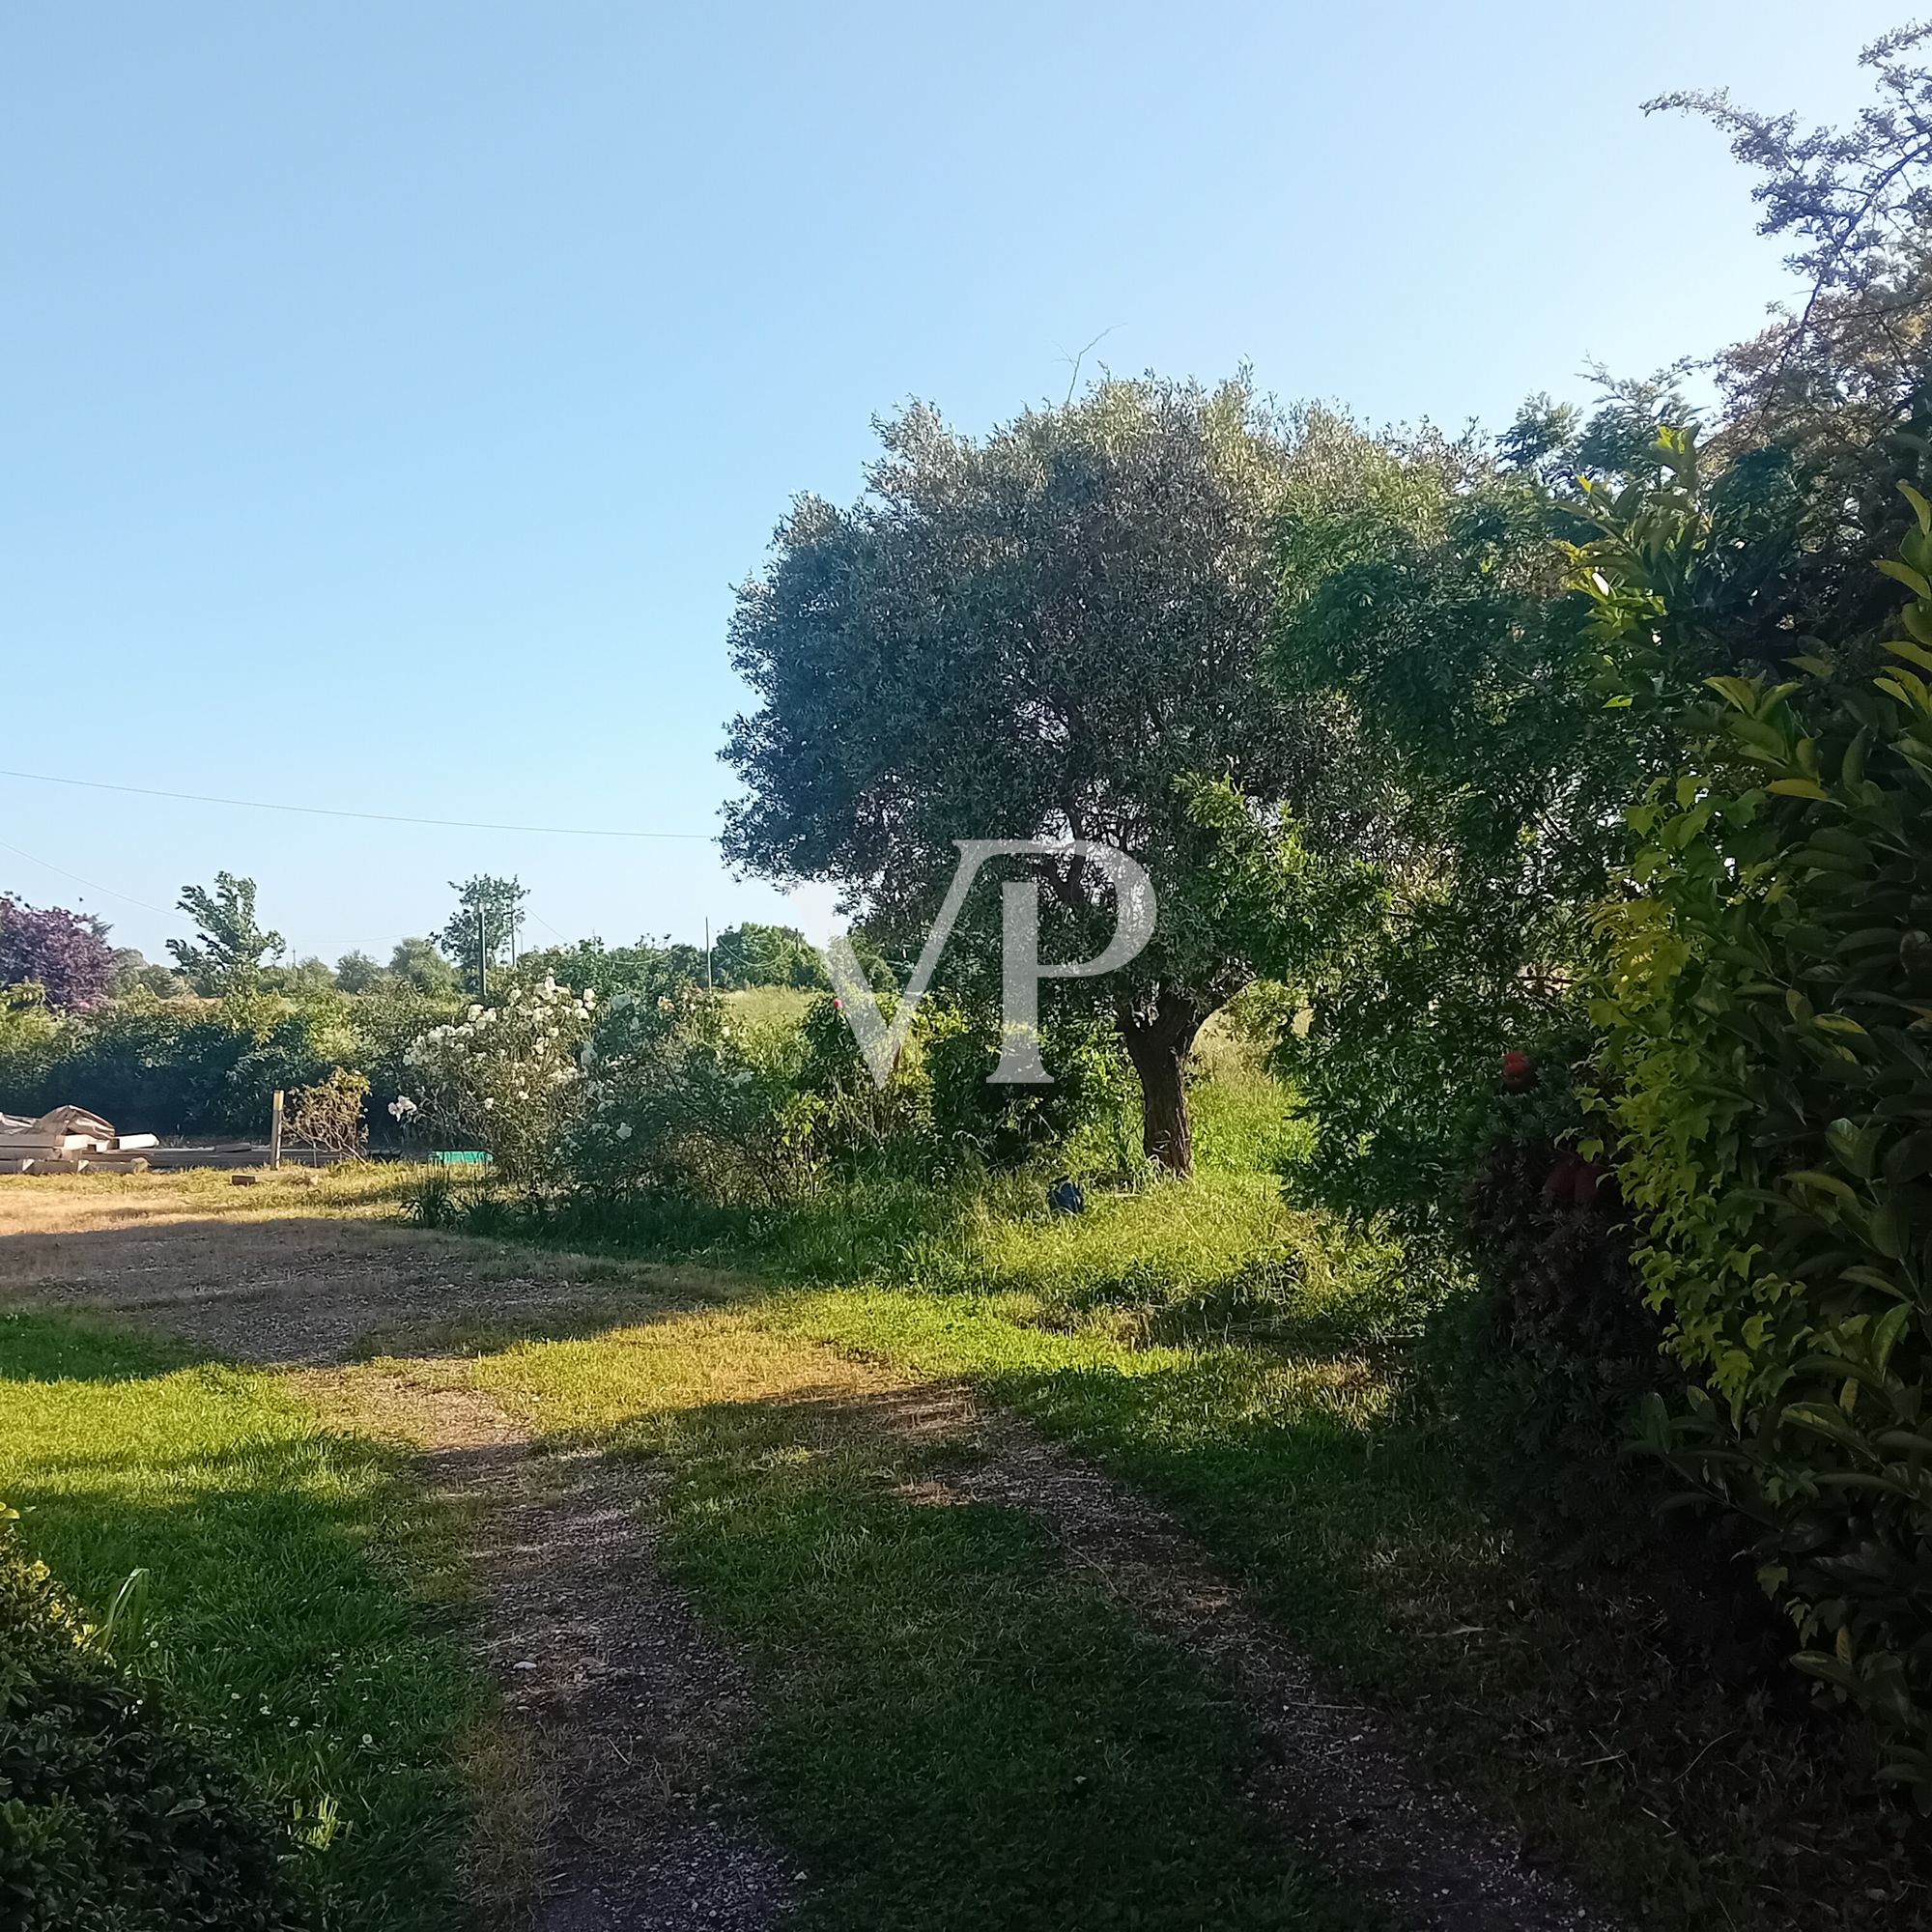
(335, 1688)
(1553, 1695)
(954, 1730)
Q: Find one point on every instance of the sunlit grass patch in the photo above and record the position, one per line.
(321, 1667)
(951, 1728)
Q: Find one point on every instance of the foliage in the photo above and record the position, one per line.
(507, 1078)
(175, 1065)
(859, 1126)
(418, 963)
(1847, 366)
(113, 1815)
(750, 954)
(64, 952)
(1547, 1361)
(1770, 1100)
(305, 980)
(331, 1115)
(1056, 631)
(357, 973)
(232, 949)
(649, 968)
(1003, 1125)
(1420, 596)
(484, 926)
(682, 1099)
(31, 1039)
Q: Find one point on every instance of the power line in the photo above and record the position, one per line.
(93, 884)
(332, 812)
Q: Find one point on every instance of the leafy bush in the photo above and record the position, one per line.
(1768, 1086)
(683, 1098)
(113, 1816)
(507, 1078)
(1546, 1358)
(858, 1125)
(177, 1065)
(1007, 1125)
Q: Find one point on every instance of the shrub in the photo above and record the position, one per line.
(330, 1116)
(682, 1097)
(1768, 1086)
(112, 1815)
(1546, 1358)
(507, 1078)
(1008, 1124)
(183, 1065)
(858, 1125)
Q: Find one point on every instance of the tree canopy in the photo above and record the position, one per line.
(1057, 631)
(64, 952)
(231, 949)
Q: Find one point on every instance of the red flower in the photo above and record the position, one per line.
(1519, 1071)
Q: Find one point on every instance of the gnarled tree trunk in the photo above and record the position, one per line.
(1159, 1042)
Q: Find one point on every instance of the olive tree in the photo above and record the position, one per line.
(1054, 631)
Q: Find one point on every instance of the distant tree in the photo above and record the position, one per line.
(233, 950)
(66, 953)
(306, 979)
(135, 972)
(750, 954)
(1058, 631)
(418, 962)
(650, 968)
(357, 973)
(484, 928)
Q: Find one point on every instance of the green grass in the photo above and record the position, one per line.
(1550, 1692)
(337, 1691)
(951, 1730)
(1245, 1364)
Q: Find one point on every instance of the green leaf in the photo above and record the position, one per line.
(1912, 653)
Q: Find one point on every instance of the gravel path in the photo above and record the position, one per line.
(616, 1702)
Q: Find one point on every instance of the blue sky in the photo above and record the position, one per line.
(392, 393)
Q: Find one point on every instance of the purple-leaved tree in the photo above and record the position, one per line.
(66, 951)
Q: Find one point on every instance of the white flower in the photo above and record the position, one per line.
(623, 1131)
(488, 1104)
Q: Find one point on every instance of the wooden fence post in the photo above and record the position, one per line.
(276, 1132)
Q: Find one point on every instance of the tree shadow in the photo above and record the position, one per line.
(322, 1673)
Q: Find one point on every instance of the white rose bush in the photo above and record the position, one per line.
(508, 1079)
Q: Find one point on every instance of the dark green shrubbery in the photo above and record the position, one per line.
(112, 1817)
(1545, 1361)
(177, 1065)
(1768, 1092)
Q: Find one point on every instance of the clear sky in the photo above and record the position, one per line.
(392, 391)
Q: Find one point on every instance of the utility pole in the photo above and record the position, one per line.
(709, 986)
(482, 951)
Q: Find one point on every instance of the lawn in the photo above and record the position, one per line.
(949, 1725)
(300, 1597)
